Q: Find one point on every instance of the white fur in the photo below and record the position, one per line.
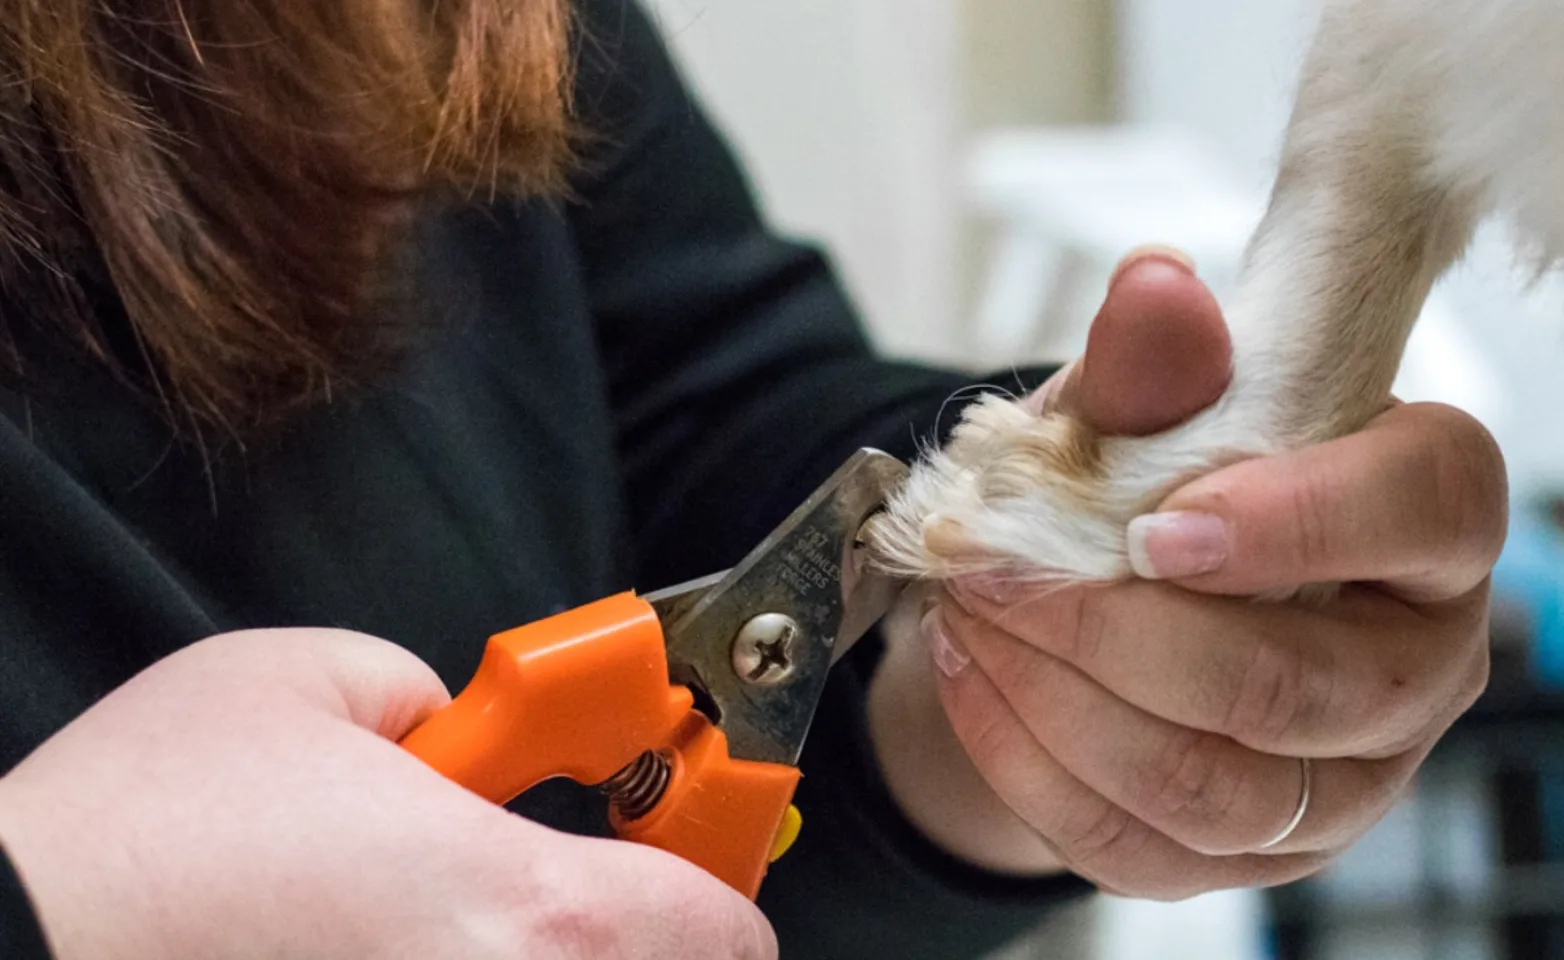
(1414, 119)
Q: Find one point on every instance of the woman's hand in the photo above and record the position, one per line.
(1151, 735)
(246, 796)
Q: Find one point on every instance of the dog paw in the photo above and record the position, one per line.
(1042, 498)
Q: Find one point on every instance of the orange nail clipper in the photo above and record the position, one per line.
(688, 706)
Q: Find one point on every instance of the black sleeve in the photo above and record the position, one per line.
(21, 937)
(740, 379)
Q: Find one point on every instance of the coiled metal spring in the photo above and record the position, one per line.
(636, 789)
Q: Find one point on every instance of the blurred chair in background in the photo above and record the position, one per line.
(1070, 201)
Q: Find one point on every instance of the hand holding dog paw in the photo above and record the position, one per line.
(1155, 734)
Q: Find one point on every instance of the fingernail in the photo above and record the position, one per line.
(948, 655)
(1176, 544)
(1172, 256)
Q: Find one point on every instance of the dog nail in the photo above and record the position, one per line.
(946, 652)
(1176, 544)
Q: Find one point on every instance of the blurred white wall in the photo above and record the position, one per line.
(1223, 68)
(844, 111)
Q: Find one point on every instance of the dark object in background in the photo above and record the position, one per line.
(1513, 740)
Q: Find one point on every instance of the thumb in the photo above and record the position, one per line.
(1158, 351)
(373, 683)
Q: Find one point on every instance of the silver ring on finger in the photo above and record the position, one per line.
(1303, 805)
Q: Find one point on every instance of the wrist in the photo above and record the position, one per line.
(21, 930)
(59, 867)
(928, 772)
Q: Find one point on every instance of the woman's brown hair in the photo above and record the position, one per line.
(238, 172)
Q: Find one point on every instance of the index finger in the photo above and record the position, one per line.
(1364, 676)
(374, 683)
(1417, 501)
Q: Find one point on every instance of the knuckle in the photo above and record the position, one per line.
(751, 937)
(1190, 781)
(1085, 624)
(1405, 696)
(1394, 700)
(1099, 835)
(564, 915)
(988, 734)
(1309, 515)
(1272, 696)
(1476, 678)
(627, 900)
(1469, 487)
(1390, 689)
(1470, 680)
(719, 923)
(575, 927)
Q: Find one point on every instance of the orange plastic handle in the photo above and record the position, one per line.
(583, 693)
(719, 813)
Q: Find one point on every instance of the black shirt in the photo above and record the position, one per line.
(625, 390)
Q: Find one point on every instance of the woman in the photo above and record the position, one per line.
(427, 321)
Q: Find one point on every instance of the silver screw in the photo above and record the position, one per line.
(763, 649)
